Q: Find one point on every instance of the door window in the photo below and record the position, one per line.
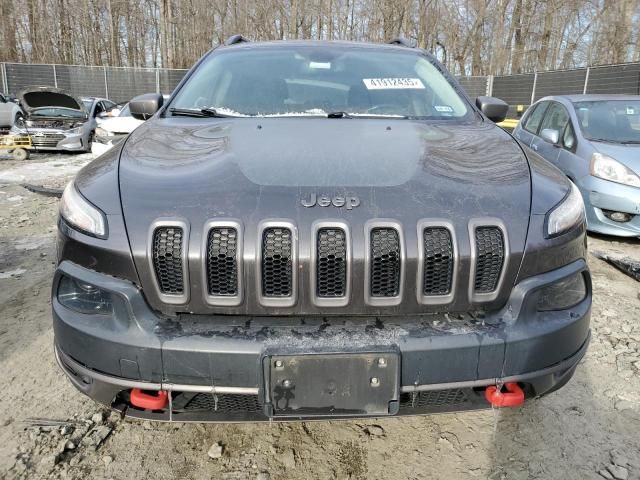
(569, 138)
(556, 118)
(532, 122)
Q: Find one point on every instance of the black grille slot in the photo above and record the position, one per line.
(385, 262)
(276, 262)
(436, 398)
(167, 259)
(331, 268)
(438, 261)
(490, 258)
(222, 261)
(224, 403)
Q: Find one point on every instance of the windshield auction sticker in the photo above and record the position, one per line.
(392, 83)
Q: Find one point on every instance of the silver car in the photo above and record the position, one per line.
(10, 113)
(56, 120)
(595, 141)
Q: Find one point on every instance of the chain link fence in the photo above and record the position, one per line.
(121, 83)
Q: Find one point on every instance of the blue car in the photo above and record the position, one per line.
(595, 141)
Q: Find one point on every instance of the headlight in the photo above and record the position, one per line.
(605, 167)
(75, 130)
(83, 297)
(80, 214)
(566, 215)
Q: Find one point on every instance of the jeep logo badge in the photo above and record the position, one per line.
(324, 201)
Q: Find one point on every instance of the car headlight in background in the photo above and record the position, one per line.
(567, 214)
(76, 130)
(605, 167)
(80, 214)
(83, 297)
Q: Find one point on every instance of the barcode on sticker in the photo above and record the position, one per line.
(392, 83)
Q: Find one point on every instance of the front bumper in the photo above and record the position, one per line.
(446, 360)
(47, 139)
(600, 195)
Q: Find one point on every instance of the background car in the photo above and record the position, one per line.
(10, 113)
(56, 120)
(595, 141)
(115, 127)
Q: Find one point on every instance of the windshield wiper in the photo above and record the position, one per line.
(197, 112)
(630, 142)
(338, 114)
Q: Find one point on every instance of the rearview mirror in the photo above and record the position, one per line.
(550, 135)
(145, 106)
(494, 108)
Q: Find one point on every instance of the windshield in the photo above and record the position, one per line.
(58, 112)
(615, 121)
(87, 104)
(316, 81)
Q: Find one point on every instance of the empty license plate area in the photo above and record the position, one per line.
(340, 384)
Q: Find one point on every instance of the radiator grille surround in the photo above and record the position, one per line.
(490, 246)
(331, 262)
(437, 261)
(383, 266)
(168, 259)
(277, 264)
(222, 261)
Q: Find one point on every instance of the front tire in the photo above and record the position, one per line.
(20, 154)
(90, 142)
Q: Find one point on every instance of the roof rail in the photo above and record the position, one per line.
(405, 42)
(233, 39)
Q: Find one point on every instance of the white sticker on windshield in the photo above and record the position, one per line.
(630, 111)
(322, 65)
(443, 108)
(392, 83)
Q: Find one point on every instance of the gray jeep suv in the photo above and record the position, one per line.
(318, 230)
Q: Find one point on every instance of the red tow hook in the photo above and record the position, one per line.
(512, 397)
(149, 402)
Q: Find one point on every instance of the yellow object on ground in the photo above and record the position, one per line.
(509, 123)
(15, 141)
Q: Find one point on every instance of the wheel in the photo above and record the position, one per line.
(90, 141)
(20, 154)
(19, 120)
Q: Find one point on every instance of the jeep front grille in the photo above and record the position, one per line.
(437, 273)
(277, 262)
(167, 259)
(385, 262)
(490, 258)
(222, 261)
(331, 268)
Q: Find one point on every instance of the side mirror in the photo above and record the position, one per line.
(494, 108)
(145, 106)
(550, 135)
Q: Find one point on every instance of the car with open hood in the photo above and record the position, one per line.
(317, 230)
(56, 120)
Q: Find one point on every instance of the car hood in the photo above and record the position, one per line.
(32, 98)
(253, 169)
(629, 155)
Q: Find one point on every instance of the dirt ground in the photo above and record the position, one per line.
(588, 429)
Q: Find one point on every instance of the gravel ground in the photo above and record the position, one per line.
(588, 429)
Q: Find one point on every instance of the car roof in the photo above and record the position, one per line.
(320, 43)
(591, 97)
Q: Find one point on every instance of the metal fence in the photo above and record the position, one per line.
(122, 83)
(117, 83)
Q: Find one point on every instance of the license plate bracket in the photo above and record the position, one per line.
(332, 384)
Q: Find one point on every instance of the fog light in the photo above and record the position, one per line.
(83, 297)
(619, 217)
(564, 294)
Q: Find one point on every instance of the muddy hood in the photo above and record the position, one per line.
(33, 98)
(256, 169)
